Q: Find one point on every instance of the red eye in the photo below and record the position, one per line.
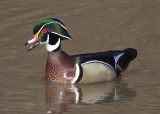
(44, 31)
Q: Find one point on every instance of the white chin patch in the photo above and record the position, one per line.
(52, 47)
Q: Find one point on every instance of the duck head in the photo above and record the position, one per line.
(49, 32)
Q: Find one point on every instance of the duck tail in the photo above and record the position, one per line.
(129, 55)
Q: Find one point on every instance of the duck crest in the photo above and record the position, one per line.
(60, 67)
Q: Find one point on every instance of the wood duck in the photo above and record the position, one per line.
(83, 68)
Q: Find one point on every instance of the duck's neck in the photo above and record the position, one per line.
(60, 67)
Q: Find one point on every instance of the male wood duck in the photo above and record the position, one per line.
(83, 68)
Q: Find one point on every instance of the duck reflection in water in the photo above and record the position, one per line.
(59, 95)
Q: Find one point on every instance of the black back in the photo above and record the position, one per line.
(108, 57)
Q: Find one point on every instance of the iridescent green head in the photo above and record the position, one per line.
(49, 31)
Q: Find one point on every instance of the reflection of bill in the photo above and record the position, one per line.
(58, 95)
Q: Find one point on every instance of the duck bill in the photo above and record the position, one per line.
(34, 40)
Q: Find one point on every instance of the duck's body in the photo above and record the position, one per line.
(87, 68)
(83, 68)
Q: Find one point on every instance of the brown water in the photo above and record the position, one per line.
(95, 25)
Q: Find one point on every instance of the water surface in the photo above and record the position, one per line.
(94, 26)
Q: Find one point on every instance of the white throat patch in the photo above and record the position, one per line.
(52, 47)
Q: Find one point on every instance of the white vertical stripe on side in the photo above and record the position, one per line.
(76, 75)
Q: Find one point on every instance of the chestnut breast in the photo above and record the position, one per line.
(60, 67)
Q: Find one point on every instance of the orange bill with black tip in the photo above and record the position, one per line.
(34, 40)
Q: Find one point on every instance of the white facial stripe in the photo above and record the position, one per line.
(52, 47)
(61, 35)
(50, 23)
(96, 61)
